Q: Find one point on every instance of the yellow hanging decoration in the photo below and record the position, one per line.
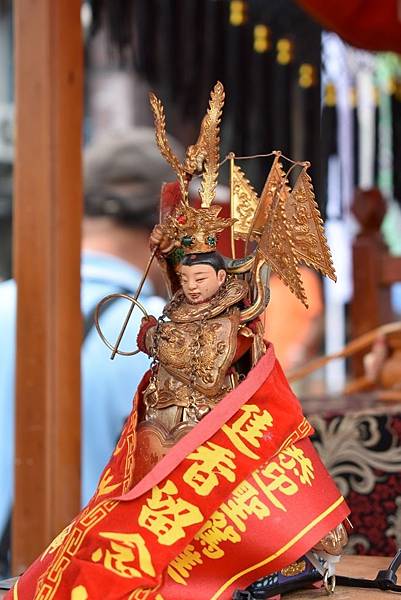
(284, 51)
(237, 12)
(307, 75)
(261, 38)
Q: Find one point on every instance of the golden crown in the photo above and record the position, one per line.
(196, 229)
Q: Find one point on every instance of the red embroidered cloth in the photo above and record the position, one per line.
(242, 495)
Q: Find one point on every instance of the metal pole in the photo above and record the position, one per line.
(138, 291)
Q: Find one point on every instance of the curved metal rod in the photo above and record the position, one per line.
(100, 332)
(134, 301)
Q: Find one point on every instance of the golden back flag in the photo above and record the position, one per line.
(244, 203)
(275, 180)
(306, 227)
(276, 247)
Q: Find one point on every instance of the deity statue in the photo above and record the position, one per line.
(203, 347)
(214, 489)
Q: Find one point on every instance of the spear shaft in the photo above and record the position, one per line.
(138, 291)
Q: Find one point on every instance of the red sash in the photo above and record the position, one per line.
(242, 495)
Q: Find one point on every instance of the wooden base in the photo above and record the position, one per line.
(351, 566)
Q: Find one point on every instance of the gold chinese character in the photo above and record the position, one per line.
(179, 568)
(294, 459)
(167, 516)
(127, 554)
(278, 481)
(212, 460)
(245, 502)
(214, 532)
(249, 427)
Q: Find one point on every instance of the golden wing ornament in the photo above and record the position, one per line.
(164, 146)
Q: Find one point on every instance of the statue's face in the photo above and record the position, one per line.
(200, 282)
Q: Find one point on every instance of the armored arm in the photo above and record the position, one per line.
(257, 273)
(145, 337)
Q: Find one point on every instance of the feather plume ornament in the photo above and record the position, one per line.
(164, 146)
(211, 145)
(201, 157)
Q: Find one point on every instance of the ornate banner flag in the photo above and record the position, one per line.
(244, 203)
(306, 224)
(240, 496)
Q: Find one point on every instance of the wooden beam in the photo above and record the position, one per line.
(48, 199)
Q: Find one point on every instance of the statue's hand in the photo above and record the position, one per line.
(159, 239)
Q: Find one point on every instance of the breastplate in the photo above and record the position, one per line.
(198, 354)
(194, 360)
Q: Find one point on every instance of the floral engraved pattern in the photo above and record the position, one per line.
(347, 446)
(363, 453)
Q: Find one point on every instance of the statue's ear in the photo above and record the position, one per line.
(221, 276)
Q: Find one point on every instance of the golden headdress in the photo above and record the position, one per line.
(195, 228)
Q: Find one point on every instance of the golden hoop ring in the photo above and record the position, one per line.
(107, 299)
